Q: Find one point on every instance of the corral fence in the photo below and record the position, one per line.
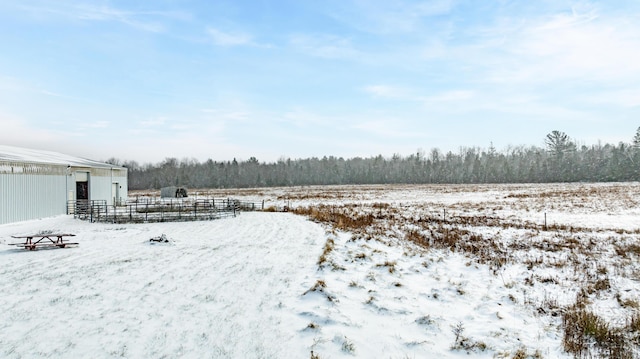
(145, 210)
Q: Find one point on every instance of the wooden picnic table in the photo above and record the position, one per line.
(34, 241)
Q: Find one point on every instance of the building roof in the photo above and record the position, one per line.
(26, 155)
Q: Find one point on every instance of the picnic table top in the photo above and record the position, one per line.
(44, 235)
(43, 240)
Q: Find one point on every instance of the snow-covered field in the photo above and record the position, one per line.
(279, 285)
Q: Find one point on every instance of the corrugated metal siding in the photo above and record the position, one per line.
(120, 177)
(29, 191)
(101, 187)
(101, 172)
(29, 196)
(31, 168)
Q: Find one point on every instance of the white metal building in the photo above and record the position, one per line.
(36, 184)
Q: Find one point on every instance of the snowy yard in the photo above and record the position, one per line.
(222, 289)
(278, 285)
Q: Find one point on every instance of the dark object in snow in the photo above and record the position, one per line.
(162, 239)
(173, 192)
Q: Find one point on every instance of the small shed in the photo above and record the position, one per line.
(173, 192)
(36, 184)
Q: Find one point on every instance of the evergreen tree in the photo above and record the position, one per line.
(636, 140)
(558, 144)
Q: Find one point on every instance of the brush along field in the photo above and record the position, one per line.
(447, 271)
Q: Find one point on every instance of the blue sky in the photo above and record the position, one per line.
(146, 80)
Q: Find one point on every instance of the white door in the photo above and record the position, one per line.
(115, 192)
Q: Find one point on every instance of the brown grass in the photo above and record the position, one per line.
(390, 265)
(558, 254)
(633, 323)
(588, 335)
(582, 327)
(328, 248)
(320, 287)
(338, 217)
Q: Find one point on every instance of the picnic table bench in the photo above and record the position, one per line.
(34, 241)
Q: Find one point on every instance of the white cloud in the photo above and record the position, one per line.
(222, 38)
(386, 91)
(11, 84)
(325, 46)
(234, 115)
(229, 108)
(82, 11)
(153, 122)
(97, 124)
(449, 96)
(577, 46)
(387, 17)
(388, 128)
(17, 132)
(170, 124)
(301, 117)
(626, 98)
(402, 93)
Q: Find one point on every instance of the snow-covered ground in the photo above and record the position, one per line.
(221, 289)
(277, 285)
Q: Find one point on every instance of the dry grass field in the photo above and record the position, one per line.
(568, 253)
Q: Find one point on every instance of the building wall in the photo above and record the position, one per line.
(30, 191)
(120, 176)
(101, 185)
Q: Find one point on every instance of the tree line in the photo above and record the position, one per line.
(561, 160)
